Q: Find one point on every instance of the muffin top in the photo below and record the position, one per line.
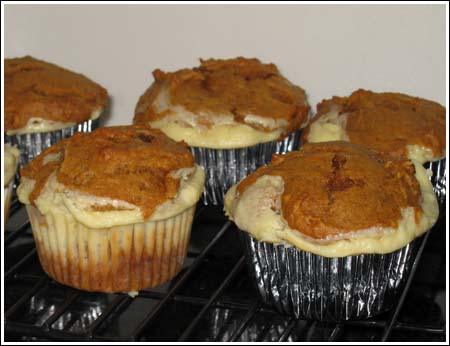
(136, 165)
(389, 122)
(221, 93)
(11, 156)
(40, 96)
(330, 192)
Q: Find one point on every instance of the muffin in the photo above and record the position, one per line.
(111, 210)
(389, 122)
(11, 157)
(234, 114)
(45, 103)
(330, 231)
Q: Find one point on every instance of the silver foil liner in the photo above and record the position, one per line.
(314, 287)
(226, 167)
(32, 144)
(438, 180)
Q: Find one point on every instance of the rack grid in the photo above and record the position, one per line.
(211, 299)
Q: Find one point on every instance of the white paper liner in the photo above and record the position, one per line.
(32, 144)
(117, 259)
(314, 287)
(226, 167)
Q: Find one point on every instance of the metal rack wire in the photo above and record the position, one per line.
(211, 299)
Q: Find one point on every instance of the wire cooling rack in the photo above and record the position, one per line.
(211, 299)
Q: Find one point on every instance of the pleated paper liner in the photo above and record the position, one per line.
(117, 259)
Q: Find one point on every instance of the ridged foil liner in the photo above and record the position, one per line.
(314, 287)
(118, 259)
(226, 167)
(438, 180)
(32, 144)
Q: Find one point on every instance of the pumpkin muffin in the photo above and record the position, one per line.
(389, 122)
(45, 103)
(313, 219)
(111, 210)
(233, 113)
(11, 157)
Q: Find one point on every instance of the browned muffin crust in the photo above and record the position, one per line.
(333, 188)
(128, 163)
(38, 89)
(236, 87)
(389, 122)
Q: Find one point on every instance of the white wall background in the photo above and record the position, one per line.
(326, 49)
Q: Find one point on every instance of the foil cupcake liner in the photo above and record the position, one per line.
(438, 180)
(117, 259)
(32, 144)
(226, 167)
(8, 192)
(314, 287)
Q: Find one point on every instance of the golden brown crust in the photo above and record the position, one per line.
(236, 87)
(389, 122)
(37, 89)
(337, 187)
(128, 163)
